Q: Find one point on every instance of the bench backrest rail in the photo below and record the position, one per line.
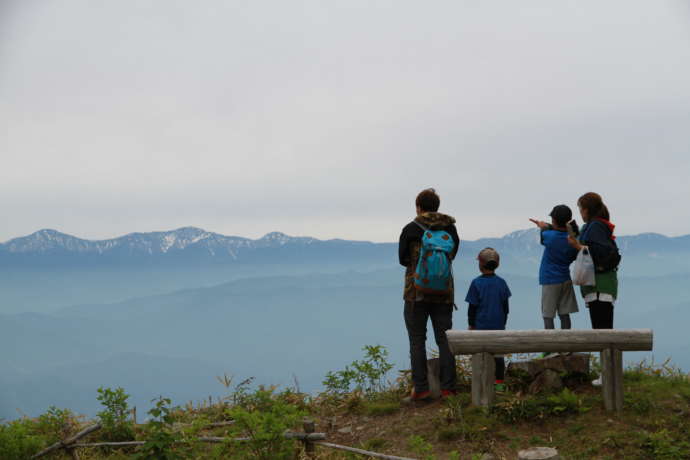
(553, 340)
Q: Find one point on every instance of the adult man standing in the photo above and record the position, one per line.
(421, 304)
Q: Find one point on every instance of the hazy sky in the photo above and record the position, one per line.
(325, 118)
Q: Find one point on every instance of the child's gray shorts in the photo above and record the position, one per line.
(558, 298)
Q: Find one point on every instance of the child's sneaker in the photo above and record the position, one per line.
(548, 354)
(447, 393)
(597, 382)
(499, 386)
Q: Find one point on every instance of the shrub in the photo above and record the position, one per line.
(453, 411)
(666, 369)
(516, 409)
(420, 446)
(661, 445)
(160, 438)
(565, 402)
(239, 392)
(18, 440)
(116, 427)
(377, 408)
(366, 375)
(56, 424)
(264, 418)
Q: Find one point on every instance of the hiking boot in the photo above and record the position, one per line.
(415, 396)
(447, 393)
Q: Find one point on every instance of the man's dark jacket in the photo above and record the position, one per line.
(408, 253)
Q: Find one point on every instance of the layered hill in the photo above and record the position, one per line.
(268, 307)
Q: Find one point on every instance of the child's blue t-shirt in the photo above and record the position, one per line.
(557, 257)
(489, 293)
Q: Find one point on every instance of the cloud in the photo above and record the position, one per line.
(322, 119)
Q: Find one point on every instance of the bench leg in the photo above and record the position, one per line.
(483, 376)
(612, 379)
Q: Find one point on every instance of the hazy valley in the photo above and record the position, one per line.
(166, 313)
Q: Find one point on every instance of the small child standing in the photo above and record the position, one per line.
(488, 303)
(557, 293)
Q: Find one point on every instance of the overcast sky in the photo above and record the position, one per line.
(325, 118)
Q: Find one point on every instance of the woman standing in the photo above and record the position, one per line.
(597, 236)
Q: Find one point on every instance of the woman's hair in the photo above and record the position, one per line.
(428, 200)
(594, 205)
(605, 213)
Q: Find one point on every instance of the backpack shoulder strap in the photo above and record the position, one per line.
(420, 225)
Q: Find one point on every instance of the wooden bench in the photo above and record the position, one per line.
(611, 343)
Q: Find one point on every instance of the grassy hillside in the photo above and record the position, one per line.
(361, 408)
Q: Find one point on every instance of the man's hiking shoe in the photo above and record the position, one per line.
(447, 393)
(422, 396)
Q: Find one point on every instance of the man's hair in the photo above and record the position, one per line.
(428, 200)
(594, 205)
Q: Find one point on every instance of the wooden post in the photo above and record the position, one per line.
(309, 447)
(433, 373)
(612, 379)
(483, 375)
(134, 415)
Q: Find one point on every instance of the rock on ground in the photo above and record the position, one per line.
(539, 453)
(545, 373)
(575, 362)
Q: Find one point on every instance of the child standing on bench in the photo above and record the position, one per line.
(557, 293)
(488, 303)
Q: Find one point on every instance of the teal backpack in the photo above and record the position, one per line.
(434, 272)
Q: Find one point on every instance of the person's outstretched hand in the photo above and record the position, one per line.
(540, 223)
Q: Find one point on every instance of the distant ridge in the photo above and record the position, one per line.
(180, 246)
(196, 245)
(152, 242)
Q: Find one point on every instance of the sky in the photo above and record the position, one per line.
(327, 118)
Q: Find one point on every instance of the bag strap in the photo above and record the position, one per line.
(420, 225)
(583, 236)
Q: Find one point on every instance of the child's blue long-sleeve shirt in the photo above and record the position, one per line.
(488, 298)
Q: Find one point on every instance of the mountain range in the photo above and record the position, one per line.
(195, 245)
(167, 312)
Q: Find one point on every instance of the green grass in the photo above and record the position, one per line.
(655, 422)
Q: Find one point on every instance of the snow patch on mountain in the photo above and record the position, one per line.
(195, 240)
